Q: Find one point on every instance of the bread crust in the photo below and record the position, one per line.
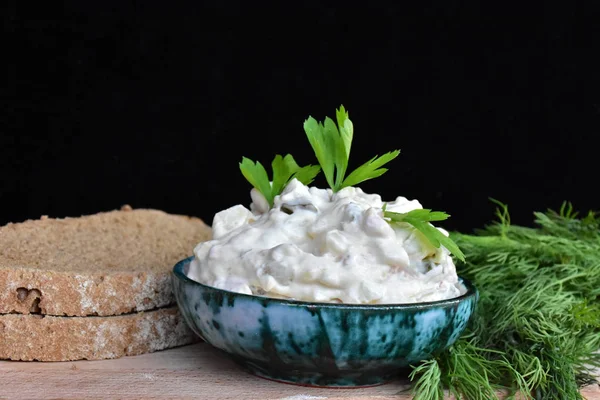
(99, 265)
(30, 291)
(48, 338)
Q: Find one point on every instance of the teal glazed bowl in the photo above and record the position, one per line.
(320, 344)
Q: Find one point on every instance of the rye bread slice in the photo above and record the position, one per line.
(47, 338)
(104, 264)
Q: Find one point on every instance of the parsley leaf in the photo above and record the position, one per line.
(420, 219)
(323, 146)
(256, 174)
(284, 170)
(371, 169)
(332, 144)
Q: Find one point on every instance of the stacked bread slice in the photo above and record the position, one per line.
(93, 287)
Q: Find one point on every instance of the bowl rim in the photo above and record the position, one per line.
(470, 293)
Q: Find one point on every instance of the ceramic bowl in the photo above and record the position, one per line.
(320, 344)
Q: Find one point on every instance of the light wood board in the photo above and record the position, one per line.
(195, 371)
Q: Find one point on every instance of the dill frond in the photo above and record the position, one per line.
(537, 326)
(428, 385)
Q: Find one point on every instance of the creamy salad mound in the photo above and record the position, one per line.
(320, 246)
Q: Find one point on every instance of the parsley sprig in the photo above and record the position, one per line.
(284, 170)
(420, 219)
(332, 144)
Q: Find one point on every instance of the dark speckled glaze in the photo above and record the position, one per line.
(320, 344)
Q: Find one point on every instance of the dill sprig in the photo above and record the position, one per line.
(537, 325)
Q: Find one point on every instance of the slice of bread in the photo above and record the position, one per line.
(47, 338)
(104, 264)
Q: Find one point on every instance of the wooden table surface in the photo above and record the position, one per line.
(195, 371)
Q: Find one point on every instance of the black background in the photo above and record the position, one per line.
(154, 104)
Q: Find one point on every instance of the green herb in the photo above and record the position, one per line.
(420, 219)
(332, 144)
(537, 325)
(284, 170)
(428, 387)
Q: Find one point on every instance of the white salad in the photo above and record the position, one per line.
(328, 245)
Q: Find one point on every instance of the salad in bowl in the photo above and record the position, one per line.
(325, 286)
